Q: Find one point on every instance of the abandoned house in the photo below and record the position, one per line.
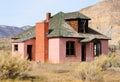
(63, 37)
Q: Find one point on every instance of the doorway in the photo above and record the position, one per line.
(97, 48)
(29, 52)
(83, 58)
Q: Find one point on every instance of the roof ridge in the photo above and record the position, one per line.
(75, 15)
(60, 22)
(72, 12)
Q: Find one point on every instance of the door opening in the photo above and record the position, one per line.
(97, 48)
(83, 58)
(29, 52)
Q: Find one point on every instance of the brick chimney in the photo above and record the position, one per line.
(48, 15)
(41, 42)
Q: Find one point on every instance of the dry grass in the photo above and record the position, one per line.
(54, 72)
(59, 73)
(66, 72)
(111, 76)
(5, 43)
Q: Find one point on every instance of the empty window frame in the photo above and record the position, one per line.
(97, 48)
(81, 28)
(15, 47)
(70, 48)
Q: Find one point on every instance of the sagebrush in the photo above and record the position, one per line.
(106, 62)
(93, 71)
(13, 66)
(89, 72)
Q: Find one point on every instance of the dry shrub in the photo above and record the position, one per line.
(112, 48)
(102, 62)
(114, 60)
(12, 66)
(92, 71)
(89, 72)
(106, 62)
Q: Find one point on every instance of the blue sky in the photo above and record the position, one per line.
(28, 12)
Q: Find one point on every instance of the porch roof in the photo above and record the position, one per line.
(90, 37)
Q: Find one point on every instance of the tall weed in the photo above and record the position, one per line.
(92, 71)
(106, 62)
(102, 62)
(89, 72)
(12, 66)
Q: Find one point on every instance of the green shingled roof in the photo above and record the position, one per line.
(75, 15)
(87, 37)
(58, 27)
(26, 35)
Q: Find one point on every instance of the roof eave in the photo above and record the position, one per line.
(63, 36)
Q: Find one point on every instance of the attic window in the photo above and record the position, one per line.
(15, 47)
(70, 48)
(82, 26)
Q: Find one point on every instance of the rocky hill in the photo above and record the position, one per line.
(6, 31)
(105, 17)
(26, 27)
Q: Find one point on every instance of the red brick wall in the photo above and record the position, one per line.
(89, 51)
(41, 42)
(104, 46)
(48, 15)
(57, 50)
(30, 42)
(63, 57)
(74, 24)
(22, 48)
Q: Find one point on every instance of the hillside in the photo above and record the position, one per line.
(6, 31)
(26, 27)
(105, 18)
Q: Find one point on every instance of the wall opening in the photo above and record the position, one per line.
(15, 47)
(97, 48)
(83, 26)
(70, 48)
(83, 58)
(29, 52)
